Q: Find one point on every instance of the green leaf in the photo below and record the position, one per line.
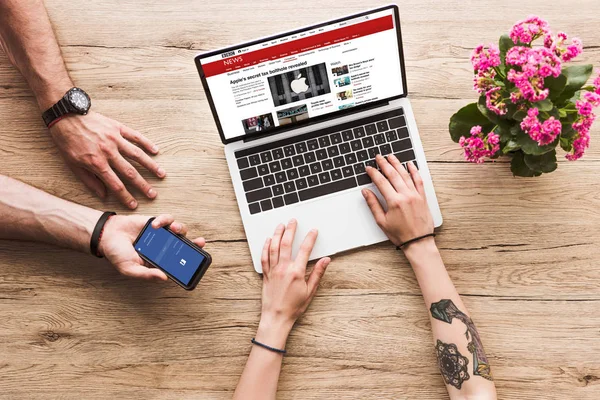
(556, 85)
(504, 44)
(566, 144)
(520, 115)
(519, 168)
(530, 146)
(490, 115)
(577, 76)
(542, 163)
(544, 105)
(467, 117)
(503, 130)
(511, 145)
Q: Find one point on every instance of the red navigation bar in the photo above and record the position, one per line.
(298, 46)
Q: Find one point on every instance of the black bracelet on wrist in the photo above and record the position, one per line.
(264, 346)
(97, 233)
(414, 240)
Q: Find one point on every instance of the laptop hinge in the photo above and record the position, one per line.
(362, 109)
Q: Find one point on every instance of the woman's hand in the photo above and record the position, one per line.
(407, 215)
(286, 291)
(117, 240)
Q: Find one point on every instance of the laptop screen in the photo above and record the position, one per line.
(291, 79)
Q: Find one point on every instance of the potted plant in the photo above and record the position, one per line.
(530, 100)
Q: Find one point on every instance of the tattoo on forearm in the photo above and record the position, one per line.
(453, 365)
(445, 310)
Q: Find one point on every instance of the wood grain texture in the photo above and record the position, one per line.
(523, 253)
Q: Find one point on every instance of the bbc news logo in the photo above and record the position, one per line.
(228, 54)
(233, 60)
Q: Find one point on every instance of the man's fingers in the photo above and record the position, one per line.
(390, 173)
(201, 242)
(275, 243)
(416, 177)
(139, 139)
(375, 206)
(116, 186)
(179, 228)
(129, 172)
(264, 258)
(135, 153)
(315, 276)
(384, 186)
(285, 249)
(142, 272)
(402, 171)
(306, 248)
(163, 220)
(90, 180)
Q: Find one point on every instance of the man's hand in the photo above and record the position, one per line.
(407, 214)
(97, 148)
(117, 240)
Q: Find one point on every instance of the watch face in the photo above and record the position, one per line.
(79, 100)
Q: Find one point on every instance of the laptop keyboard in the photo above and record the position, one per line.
(321, 162)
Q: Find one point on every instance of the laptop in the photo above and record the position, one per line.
(301, 114)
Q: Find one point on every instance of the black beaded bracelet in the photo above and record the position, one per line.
(414, 240)
(97, 233)
(264, 346)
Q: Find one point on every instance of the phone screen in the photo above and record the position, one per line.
(170, 253)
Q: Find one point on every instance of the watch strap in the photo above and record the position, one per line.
(97, 233)
(58, 110)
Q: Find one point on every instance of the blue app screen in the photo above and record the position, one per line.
(169, 252)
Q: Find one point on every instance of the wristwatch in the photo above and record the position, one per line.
(75, 101)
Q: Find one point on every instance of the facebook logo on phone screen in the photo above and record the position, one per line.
(171, 253)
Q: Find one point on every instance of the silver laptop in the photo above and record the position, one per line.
(301, 114)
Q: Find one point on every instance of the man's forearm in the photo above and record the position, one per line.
(461, 358)
(27, 37)
(27, 213)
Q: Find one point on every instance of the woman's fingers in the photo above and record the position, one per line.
(315, 276)
(408, 182)
(306, 248)
(416, 177)
(375, 206)
(275, 243)
(391, 173)
(384, 186)
(264, 258)
(287, 240)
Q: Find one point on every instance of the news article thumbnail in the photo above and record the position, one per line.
(300, 84)
(337, 71)
(258, 123)
(292, 114)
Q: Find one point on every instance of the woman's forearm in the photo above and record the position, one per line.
(261, 374)
(461, 357)
(27, 213)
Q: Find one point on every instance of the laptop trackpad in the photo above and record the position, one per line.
(344, 222)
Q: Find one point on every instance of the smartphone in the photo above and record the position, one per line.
(176, 256)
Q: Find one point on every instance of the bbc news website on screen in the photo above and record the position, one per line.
(311, 73)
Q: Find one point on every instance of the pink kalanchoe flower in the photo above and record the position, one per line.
(494, 101)
(584, 108)
(573, 50)
(593, 98)
(484, 58)
(479, 146)
(551, 128)
(597, 83)
(484, 80)
(517, 55)
(530, 124)
(528, 30)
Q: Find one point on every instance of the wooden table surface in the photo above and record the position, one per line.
(523, 253)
